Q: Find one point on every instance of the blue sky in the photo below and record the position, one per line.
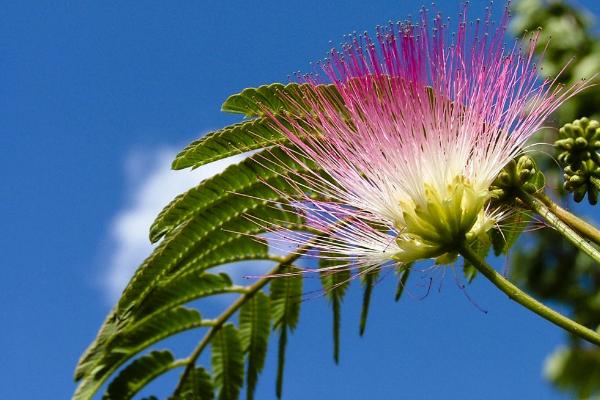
(96, 97)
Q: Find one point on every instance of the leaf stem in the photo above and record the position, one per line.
(584, 228)
(237, 289)
(232, 309)
(179, 363)
(562, 227)
(527, 301)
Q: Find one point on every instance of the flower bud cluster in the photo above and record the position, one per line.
(518, 175)
(578, 146)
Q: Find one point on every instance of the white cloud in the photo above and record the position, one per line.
(151, 184)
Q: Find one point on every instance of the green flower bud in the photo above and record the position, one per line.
(583, 180)
(577, 180)
(593, 195)
(581, 143)
(579, 193)
(520, 174)
(578, 142)
(577, 147)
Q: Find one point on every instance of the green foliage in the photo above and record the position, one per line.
(230, 141)
(272, 167)
(283, 334)
(199, 386)
(403, 273)
(576, 369)
(277, 98)
(335, 283)
(369, 278)
(286, 293)
(255, 327)
(115, 350)
(227, 362)
(182, 289)
(239, 185)
(263, 104)
(198, 229)
(138, 374)
(155, 328)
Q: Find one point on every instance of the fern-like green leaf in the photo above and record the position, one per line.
(155, 328)
(138, 374)
(259, 132)
(403, 274)
(255, 326)
(335, 283)
(286, 292)
(247, 178)
(198, 386)
(209, 255)
(369, 278)
(129, 342)
(238, 249)
(235, 233)
(181, 290)
(187, 237)
(276, 98)
(222, 248)
(230, 141)
(227, 362)
(281, 361)
(94, 353)
(175, 251)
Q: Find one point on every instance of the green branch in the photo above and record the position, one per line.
(527, 301)
(563, 228)
(584, 228)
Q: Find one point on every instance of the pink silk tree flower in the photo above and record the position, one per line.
(429, 119)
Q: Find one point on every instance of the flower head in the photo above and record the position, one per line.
(427, 120)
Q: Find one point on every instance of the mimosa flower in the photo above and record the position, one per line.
(430, 118)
